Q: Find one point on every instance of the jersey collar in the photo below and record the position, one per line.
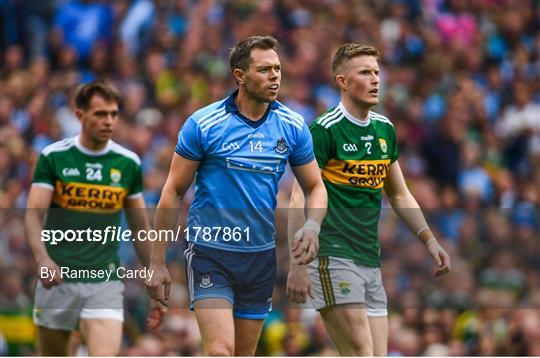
(230, 107)
(91, 152)
(351, 118)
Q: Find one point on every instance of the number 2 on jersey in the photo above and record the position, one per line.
(368, 146)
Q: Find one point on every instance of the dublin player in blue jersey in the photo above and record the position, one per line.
(238, 147)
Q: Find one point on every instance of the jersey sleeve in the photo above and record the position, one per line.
(190, 141)
(321, 144)
(136, 186)
(44, 173)
(394, 155)
(303, 150)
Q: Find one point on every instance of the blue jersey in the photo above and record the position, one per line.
(241, 164)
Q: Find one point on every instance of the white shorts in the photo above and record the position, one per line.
(336, 281)
(61, 307)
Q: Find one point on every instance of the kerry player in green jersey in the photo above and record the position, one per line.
(357, 153)
(85, 181)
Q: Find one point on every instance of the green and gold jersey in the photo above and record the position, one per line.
(89, 190)
(354, 157)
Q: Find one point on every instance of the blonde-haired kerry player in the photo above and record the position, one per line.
(357, 153)
(83, 183)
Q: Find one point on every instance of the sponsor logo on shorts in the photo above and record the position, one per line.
(38, 313)
(345, 288)
(206, 282)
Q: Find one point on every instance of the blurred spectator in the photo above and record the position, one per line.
(473, 180)
(81, 25)
(17, 330)
(135, 28)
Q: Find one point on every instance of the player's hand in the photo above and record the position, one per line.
(298, 284)
(157, 313)
(442, 259)
(53, 277)
(159, 286)
(305, 246)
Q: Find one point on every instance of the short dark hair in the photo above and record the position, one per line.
(239, 56)
(102, 88)
(351, 50)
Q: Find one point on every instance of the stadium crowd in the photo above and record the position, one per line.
(460, 80)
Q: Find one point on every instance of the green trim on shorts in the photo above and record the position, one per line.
(326, 281)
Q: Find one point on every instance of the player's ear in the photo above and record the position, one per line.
(340, 81)
(239, 76)
(79, 113)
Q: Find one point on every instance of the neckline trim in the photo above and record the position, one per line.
(91, 152)
(230, 107)
(353, 119)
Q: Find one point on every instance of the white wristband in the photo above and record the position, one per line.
(433, 238)
(312, 225)
(309, 225)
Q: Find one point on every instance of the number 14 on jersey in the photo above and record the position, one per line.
(255, 146)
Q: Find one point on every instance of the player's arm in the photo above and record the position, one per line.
(39, 201)
(298, 282)
(406, 207)
(138, 222)
(180, 177)
(305, 243)
(296, 217)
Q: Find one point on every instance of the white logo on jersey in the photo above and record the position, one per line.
(93, 171)
(94, 165)
(71, 172)
(366, 137)
(350, 147)
(281, 146)
(93, 174)
(230, 146)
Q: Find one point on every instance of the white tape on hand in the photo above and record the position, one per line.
(309, 225)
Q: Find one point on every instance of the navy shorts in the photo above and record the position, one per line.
(245, 279)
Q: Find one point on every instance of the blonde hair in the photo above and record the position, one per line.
(349, 51)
